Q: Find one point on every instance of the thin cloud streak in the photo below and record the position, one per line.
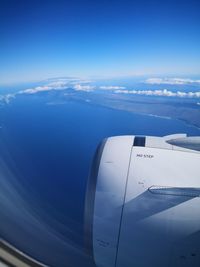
(112, 87)
(172, 81)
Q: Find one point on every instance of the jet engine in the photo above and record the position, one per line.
(143, 202)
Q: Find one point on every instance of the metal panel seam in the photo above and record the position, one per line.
(120, 224)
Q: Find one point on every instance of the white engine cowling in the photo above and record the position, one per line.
(143, 202)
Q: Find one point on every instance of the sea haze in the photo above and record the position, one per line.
(47, 143)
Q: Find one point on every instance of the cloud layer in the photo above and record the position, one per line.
(52, 84)
(60, 84)
(172, 81)
(87, 86)
(164, 92)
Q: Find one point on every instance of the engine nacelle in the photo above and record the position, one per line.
(143, 202)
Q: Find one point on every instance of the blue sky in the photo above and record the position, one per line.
(47, 38)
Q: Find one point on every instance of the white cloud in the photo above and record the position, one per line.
(164, 92)
(171, 81)
(60, 84)
(52, 84)
(36, 90)
(84, 85)
(86, 88)
(112, 87)
(7, 98)
(55, 85)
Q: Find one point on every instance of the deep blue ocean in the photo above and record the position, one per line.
(46, 153)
